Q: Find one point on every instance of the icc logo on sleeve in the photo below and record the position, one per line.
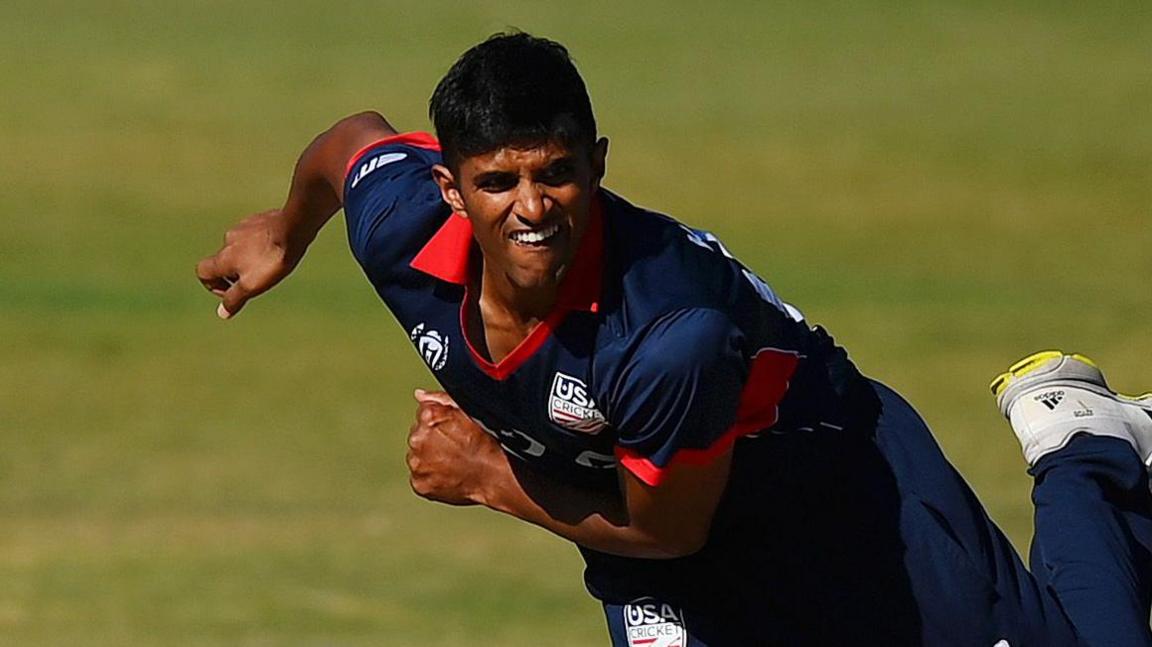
(431, 345)
(653, 624)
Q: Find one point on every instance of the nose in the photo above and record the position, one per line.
(532, 204)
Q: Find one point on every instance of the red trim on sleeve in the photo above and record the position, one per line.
(768, 377)
(644, 469)
(417, 139)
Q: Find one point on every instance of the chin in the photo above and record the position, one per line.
(536, 279)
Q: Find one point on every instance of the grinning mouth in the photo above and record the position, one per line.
(535, 237)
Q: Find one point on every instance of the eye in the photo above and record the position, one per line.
(560, 172)
(495, 182)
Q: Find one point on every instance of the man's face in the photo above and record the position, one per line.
(529, 207)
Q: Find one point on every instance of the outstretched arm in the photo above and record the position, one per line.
(452, 460)
(264, 248)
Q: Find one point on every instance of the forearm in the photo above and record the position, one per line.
(264, 248)
(453, 460)
(593, 519)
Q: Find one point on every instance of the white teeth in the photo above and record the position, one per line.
(535, 236)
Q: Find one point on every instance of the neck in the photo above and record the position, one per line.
(525, 306)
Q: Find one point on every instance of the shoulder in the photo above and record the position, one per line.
(391, 204)
(639, 234)
(644, 244)
(678, 352)
(416, 148)
(657, 265)
(686, 339)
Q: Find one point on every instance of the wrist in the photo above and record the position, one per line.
(311, 203)
(294, 241)
(493, 480)
(295, 231)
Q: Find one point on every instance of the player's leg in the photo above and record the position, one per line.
(1093, 537)
(967, 584)
(970, 585)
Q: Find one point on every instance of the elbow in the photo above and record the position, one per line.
(687, 547)
(361, 121)
(684, 544)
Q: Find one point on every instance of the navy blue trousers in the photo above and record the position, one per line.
(962, 583)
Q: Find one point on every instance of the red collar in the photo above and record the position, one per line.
(446, 256)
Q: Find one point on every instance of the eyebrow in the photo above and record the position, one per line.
(567, 159)
(486, 176)
(491, 175)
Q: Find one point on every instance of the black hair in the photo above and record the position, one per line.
(513, 89)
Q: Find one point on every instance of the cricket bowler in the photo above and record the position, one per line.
(618, 378)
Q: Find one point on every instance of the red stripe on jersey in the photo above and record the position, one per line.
(644, 469)
(768, 377)
(567, 416)
(524, 350)
(417, 139)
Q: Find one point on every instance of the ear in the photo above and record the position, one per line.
(448, 188)
(599, 160)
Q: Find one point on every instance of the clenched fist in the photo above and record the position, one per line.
(451, 459)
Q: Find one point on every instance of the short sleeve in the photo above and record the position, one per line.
(391, 202)
(692, 385)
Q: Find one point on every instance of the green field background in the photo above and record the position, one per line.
(945, 186)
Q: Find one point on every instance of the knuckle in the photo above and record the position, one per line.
(222, 261)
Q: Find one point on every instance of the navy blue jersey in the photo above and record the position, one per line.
(662, 348)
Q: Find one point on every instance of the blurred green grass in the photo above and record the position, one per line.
(945, 186)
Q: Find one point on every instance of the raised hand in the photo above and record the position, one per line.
(257, 254)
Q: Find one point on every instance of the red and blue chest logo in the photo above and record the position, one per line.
(571, 406)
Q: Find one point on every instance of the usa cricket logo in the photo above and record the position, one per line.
(570, 406)
(431, 345)
(653, 624)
